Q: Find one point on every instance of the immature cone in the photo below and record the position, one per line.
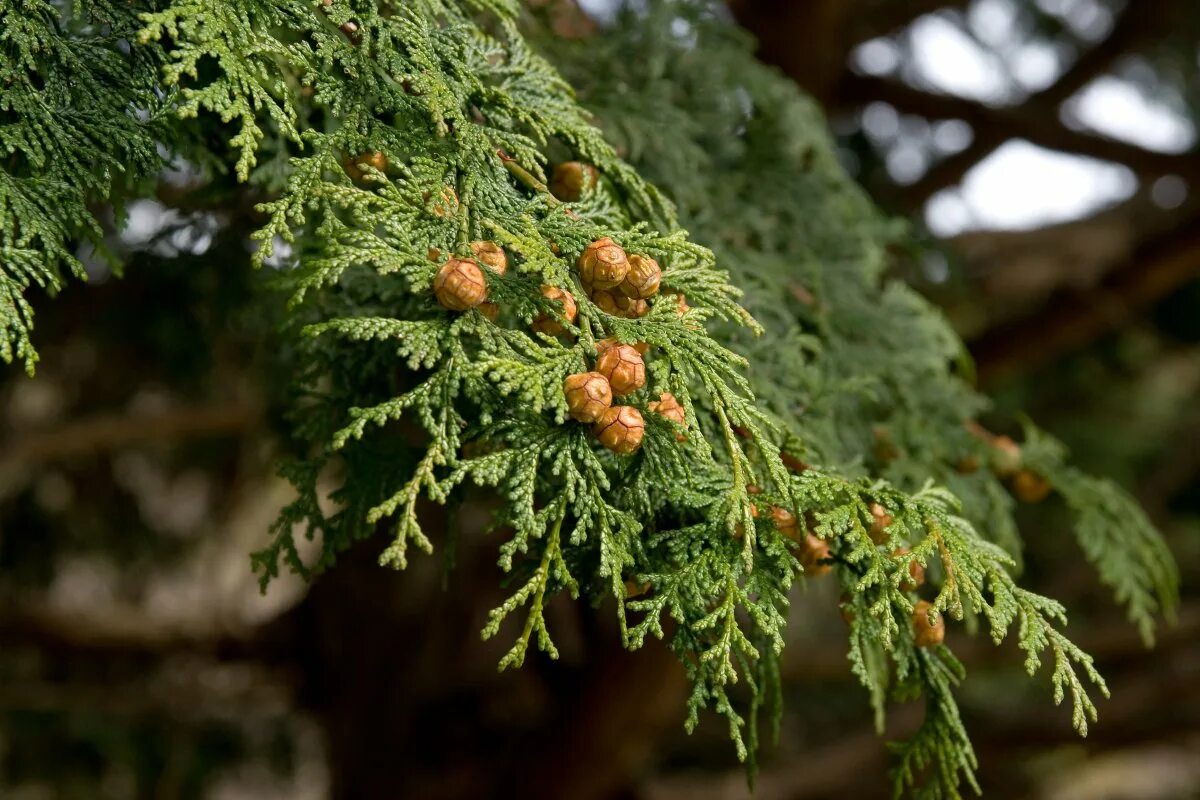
(624, 368)
(784, 520)
(643, 278)
(739, 530)
(446, 204)
(681, 305)
(793, 463)
(925, 632)
(967, 464)
(667, 406)
(814, 555)
(635, 589)
(371, 158)
(460, 285)
(1006, 456)
(603, 264)
(620, 429)
(548, 324)
(570, 178)
(1029, 487)
(880, 520)
(916, 573)
(491, 255)
(588, 395)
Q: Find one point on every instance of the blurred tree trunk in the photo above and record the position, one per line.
(413, 706)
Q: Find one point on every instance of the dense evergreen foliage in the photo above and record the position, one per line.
(828, 418)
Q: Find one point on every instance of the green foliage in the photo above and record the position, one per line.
(1114, 533)
(79, 119)
(865, 373)
(398, 406)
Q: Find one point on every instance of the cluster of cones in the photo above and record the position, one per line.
(812, 551)
(929, 628)
(619, 370)
(620, 284)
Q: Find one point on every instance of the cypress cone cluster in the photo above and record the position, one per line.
(813, 552)
(619, 284)
(619, 371)
(1008, 463)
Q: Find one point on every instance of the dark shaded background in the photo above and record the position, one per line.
(137, 658)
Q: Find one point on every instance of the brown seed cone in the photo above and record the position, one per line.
(489, 310)
(916, 573)
(606, 301)
(635, 589)
(610, 301)
(371, 158)
(682, 306)
(814, 555)
(624, 368)
(880, 520)
(793, 463)
(570, 178)
(784, 520)
(1006, 456)
(667, 406)
(739, 531)
(551, 325)
(588, 395)
(603, 264)
(491, 255)
(460, 284)
(633, 309)
(1029, 487)
(643, 278)
(967, 464)
(604, 344)
(620, 429)
(927, 633)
